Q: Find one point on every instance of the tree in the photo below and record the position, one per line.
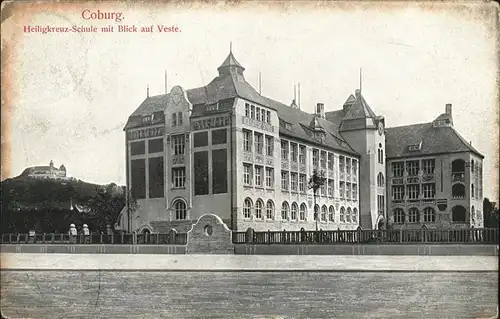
(105, 206)
(490, 214)
(316, 180)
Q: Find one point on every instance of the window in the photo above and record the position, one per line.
(268, 118)
(252, 111)
(330, 161)
(247, 208)
(413, 191)
(472, 191)
(348, 190)
(323, 159)
(259, 143)
(269, 209)
(331, 214)
(295, 208)
(179, 118)
(302, 183)
(398, 192)
(293, 152)
(247, 110)
(354, 191)
(381, 204)
(354, 167)
(348, 215)
(178, 144)
(458, 166)
(247, 174)
(380, 180)
(348, 165)
(258, 209)
(458, 191)
(322, 189)
(399, 216)
(330, 187)
(219, 136)
(429, 215)
(472, 165)
(180, 209)
(269, 177)
(323, 213)
(258, 175)
(155, 145)
(412, 168)
(342, 214)
(219, 171)
(380, 155)
(174, 119)
(458, 214)
(315, 157)
(138, 182)
(397, 169)
(269, 145)
(302, 154)
(293, 181)
(247, 141)
(200, 139)
(413, 215)
(342, 164)
(355, 215)
(257, 115)
(284, 150)
(341, 189)
(137, 148)
(429, 190)
(428, 166)
(178, 177)
(284, 211)
(284, 180)
(302, 212)
(156, 178)
(200, 164)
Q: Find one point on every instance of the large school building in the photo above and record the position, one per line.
(226, 149)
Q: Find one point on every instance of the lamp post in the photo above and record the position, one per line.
(316, 180)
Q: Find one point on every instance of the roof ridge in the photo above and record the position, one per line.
(464, 141)
(415, 124)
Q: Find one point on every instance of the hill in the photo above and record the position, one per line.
(48, 205)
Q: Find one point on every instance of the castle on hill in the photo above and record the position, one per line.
(42, 172)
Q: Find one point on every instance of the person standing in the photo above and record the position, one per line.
(86, 233)
(72, 233)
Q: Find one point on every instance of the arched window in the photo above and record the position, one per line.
(380, 180)
(284, 210)
(355, 215)
(179, 118)
(247, 208)
(331, 214)
(174, 119)
(342, 214)
(473, 212)
(146, 231)
(348, 215)
(269, 209)
(429, 215)
(303, 211)
(472, 191)
(458, 214)
(295, 208)
(399, 216)
(458, 191)
(258, 208)
(323, 213)
(180, 209)
(413, 215)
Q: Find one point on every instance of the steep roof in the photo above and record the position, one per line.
(359, 109)
(435, 140)
(230, 61)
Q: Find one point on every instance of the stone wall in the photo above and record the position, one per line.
(209, 236)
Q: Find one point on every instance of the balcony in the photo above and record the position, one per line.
(458, 177)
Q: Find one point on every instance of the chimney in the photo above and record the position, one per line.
(448, 109)
(320, 110)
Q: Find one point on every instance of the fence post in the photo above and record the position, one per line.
(400, 235)
(173, 236)
(112, 238)
(157, 238)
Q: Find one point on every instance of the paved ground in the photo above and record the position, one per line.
(243, 262)
(109, 294)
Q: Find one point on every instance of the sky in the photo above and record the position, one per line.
(68, 95)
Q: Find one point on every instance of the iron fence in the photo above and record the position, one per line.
(470, 236)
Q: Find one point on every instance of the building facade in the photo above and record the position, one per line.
(226, 149)
(435, 178)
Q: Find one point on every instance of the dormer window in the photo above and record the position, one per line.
(415, 147)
